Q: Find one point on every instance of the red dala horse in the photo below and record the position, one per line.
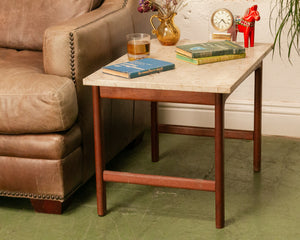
(246, 25)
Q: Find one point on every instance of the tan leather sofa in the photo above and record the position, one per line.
(46, 127)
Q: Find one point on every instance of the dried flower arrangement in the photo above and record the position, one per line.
(164, 7)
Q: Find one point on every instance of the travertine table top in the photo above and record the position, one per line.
(220, 77)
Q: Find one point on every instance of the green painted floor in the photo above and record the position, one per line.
(258, 206)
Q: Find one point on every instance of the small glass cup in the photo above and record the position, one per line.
(138, 46)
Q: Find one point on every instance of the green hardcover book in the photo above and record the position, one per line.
(218, 48)
(211, 59)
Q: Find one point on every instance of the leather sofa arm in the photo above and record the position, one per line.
(84, 44)
(81, 46)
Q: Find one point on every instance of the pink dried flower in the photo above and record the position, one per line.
(146, 6)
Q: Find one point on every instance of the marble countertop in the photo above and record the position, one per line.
(220, 77)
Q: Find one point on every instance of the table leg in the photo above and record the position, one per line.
(219, 160)
(257, 119)
(154, 133)
(99, 164)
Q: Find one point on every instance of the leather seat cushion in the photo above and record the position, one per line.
(41, 146)
(30, 100)
(22, 23)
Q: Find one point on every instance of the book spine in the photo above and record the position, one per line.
(220, 58)
(211, 59)
(187, 59)
(150, 71)
(218, 53)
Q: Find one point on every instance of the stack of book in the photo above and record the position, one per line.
(209, 52)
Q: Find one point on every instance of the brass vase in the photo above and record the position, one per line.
(167, 32)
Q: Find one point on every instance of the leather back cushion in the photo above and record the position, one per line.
(22, 23)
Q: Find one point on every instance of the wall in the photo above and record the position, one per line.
(281, 80)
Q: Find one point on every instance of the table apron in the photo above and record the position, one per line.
(159, 95)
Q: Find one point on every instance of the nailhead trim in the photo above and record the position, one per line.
(72, 57)
(30, 195)
(124, 3)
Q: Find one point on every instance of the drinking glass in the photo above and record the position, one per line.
(138, 46)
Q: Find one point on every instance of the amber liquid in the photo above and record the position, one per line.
(138, 49)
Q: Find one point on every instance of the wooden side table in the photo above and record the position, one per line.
(209, 84)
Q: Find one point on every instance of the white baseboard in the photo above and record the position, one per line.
(280, 118)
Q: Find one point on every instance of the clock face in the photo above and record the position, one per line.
(222, 19)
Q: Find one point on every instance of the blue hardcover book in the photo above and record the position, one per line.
(137, 68)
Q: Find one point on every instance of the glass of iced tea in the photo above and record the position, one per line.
(138, 46)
